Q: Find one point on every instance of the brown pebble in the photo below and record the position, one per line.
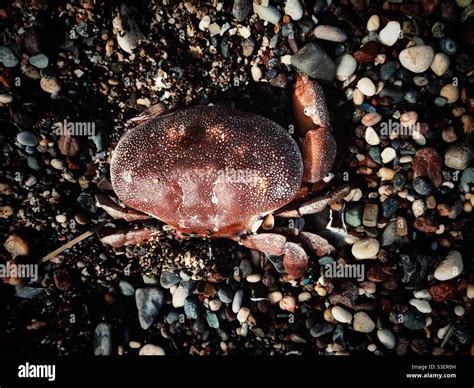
(441, 292)
(426, 225)
(427, 162)
(288, 303)
(68, 145)
(367, 53)
(16, 245)
(371, 119)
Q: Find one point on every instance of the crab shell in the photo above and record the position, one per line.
(207, 170)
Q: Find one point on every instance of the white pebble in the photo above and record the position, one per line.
(422, 306)
(390, 33)
(341, 315)
(459, 310)
(269, 14)
(388, 154)
(422, 294)
(416, 58)
(346, 65)
(363, 323)
(450, 267)
(386, 338)
(372, 137)
(256, 73)
(440, 64)
(366, 248)
(294, 9)
(366, 86)
(470, 291)
(373, 23)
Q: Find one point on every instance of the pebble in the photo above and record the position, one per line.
(225, 294)
(450, 267)
(390, 33)
(346, 65)
(288, 303)
(192, 308)
(416, 58)
(450, 92)
(27, 138)
(212, 320)
(169, 279)
(181, 293)
(320, 329)
(341, 315)
(151, 350)
(6, 98)
(270, 14)
(440, 64)
(40, 61)
(366, 86)
(371, 119)
(422, 306)
(422, 186)
(58, 164)
(353, 216)
(254, 278)
(388, 154)
(459, 156)
(243, 314)
(103, 339)
(373, 24)
(448, 45)
(275, 297)
(408, 119)
(386, 338)
(470, 291)
(215, 304)
(50, 85)
(330, 33)
(126, 288)
(414, 320)
(459, 310)
(418, 207)
(390, 206)
(357, 97)
(256, 73)
(294, 9)
(241, 9)
(366, 248)
(128, 33)
(17, 245)
(237, 301)
(7, 58)
(388, 69)
(149, 302)
(313, 61)
(371, 137)
(363, 323)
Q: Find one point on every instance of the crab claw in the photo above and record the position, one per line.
(309, 105)
(295, 260)
(319, 153)
(269, 243)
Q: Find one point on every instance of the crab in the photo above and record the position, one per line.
(212, 171)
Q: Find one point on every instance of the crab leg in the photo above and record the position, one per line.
(117, 212)
(131, 237)
(319, 153)
(316, 204)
